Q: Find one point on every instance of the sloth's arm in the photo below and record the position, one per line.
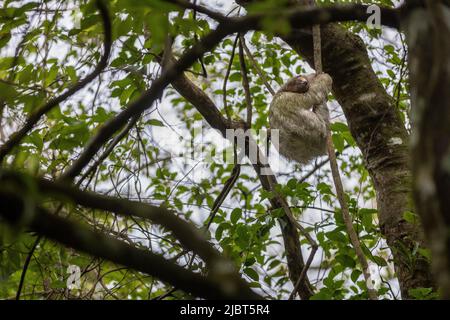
(319, 88)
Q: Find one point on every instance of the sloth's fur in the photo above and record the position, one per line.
(302, 119)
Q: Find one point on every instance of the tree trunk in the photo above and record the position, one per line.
(428, 37)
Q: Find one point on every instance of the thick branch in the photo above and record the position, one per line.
(190, 237)
(82, 238)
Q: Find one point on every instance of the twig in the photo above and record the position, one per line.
(223, 194)
(245, 81)
(225, 81)
(26, 264)
(202, 63)
(258, 68)
(109, 149)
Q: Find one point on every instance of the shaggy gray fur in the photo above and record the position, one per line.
(302, 120)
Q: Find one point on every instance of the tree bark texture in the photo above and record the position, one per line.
(428, 37)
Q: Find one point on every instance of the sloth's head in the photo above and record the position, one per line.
(298, 84)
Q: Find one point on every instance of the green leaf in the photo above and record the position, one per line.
(235, 77)
(292, 184)
(355, 275)
(235, 215)
(338, 141)
(252, 274)
(323, 294)
(155, 123)
(379, 261)
(423, 293)
(390, 73)
(336, 236)
(36, 139)
(339, 127)
(324, 188)
(4, 38)
(219, 232)
(425, 252)
(346, 260)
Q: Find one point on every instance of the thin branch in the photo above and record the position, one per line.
(225, 80)
(25, 266)
(229, 184)
(202, 63)
(245, 81)
(110, 148)
(340, 194)
(258, 69)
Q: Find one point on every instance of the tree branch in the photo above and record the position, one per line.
(200, 9)
(182, 230)
(80, 237)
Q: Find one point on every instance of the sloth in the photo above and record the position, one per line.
(299, 111)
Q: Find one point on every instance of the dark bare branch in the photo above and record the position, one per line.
(200, 9)
(186, 233)
(81, 237)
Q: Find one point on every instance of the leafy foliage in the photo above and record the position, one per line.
(48, 45)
